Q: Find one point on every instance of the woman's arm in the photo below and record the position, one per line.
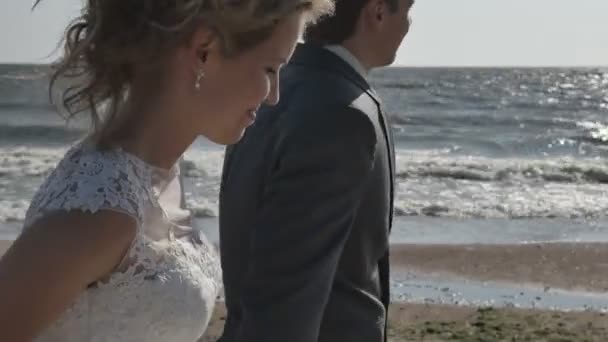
(53, 262)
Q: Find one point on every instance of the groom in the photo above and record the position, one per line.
(307, 195)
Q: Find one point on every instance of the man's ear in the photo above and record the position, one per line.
(374, 12)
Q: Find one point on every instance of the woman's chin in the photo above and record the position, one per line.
(227, 139)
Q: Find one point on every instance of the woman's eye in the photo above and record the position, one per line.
(271, 71)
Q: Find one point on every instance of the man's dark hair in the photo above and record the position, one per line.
(340, 26)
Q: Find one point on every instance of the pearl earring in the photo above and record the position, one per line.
(199, 76)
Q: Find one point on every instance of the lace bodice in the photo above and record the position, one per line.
(166, 286)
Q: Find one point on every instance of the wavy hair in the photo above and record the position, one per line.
(105, 44)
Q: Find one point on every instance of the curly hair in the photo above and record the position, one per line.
(105, 44)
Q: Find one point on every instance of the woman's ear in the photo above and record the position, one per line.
(379, 8)
(202, 45)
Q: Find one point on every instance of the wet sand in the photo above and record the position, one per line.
(4, 245)
(422, 322)
(571, 266)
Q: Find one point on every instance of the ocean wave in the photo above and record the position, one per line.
(40, 133)
(16, 104)
(13, 211)
(497, 209)
(435, 184)
(429, 183)
(25, 161)
(24, 90)
(401, 86)
(202, 163)
(202, 207)
(567, 170)
(39, 161)
(470, 119)
(598, 132)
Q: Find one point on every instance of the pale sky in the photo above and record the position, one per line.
(445, 32)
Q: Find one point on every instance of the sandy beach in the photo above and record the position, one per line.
(422, 322)
(581, 267)
(571, 266)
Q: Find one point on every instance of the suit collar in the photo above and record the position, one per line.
(349, 58)
(319, 57)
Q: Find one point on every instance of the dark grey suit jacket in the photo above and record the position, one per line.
(306, 211)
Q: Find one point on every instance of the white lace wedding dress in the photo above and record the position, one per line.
(165, 288)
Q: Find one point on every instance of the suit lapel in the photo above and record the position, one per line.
(384, 262)
(388, 134)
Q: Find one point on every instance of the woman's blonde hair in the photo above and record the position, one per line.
(104, 46)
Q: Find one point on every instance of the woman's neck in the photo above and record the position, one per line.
(154, 133)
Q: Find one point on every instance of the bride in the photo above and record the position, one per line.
(103, 255)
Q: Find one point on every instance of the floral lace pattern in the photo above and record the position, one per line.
(91, 181)
(169, 286)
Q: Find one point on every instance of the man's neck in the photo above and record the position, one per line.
(361, 52)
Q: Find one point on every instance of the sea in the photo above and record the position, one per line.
(484, 155)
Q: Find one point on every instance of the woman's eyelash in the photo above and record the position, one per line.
(271, 71)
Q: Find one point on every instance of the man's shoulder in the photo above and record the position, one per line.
(322, 84)
(307, 94)
(317, 102)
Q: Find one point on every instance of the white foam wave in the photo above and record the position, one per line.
(36, 161)
(436, 184)
(417, 165)
(429, 183)
(13, 211)
(27, 161)
(202, 207)
(202, 170)
(202, 163)
(597, 130)
(464, 199)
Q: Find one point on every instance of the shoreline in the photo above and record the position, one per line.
(564, 266)
(435, 322)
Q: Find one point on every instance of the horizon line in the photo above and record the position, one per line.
(423, 66)
(511, 66)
